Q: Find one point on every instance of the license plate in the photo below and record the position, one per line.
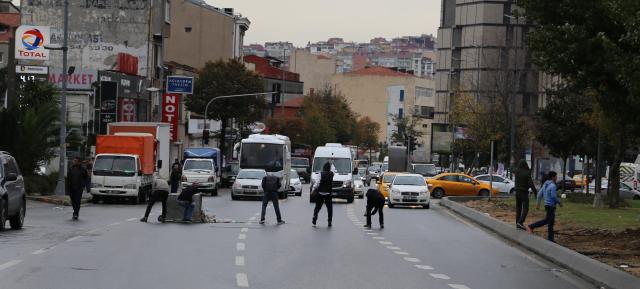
(410, 200)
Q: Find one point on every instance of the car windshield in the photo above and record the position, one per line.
(385, 167)
(409, 181)
(300, 162)
(343, 166)
(388, 178)
(294, 175)
(198, 165)
(234, 168)
(124, 166)
(251, 175)
(374, 168)
(268, 157)
(362, 172)
(425, 170)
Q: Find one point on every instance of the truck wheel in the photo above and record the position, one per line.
(3, 214)
(17, 221)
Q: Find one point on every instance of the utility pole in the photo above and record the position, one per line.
(282, 88)
(61, 188)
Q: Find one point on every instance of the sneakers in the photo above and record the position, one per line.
(367, 226)
(329, 224)
(280, 222)
(144, 219)
(381, 226)
(520, 226)
(160, 219)
(187, 221)
(313, 221)
(75, 217)
(261, 222)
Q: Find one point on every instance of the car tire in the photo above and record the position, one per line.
(299, 194)
(512, 191)
(361, 196)
(427, 206)
(350, 200)
(17, 221)
(391, 206)
(438, 193)
(483, 193)
(3, 214)
(233, 197)
(95, 199)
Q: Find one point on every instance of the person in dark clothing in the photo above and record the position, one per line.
(549, 193)
(174, 178)
(160, 193)
(323, 189)
(76, 178)
(375, 203)
(185, 199)
(523, 182)
(270, 186)
(88, 164)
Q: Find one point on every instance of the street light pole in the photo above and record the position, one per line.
(60, 188)
(206, 108)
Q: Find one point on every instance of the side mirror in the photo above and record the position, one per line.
(159, 165)
(11, 177)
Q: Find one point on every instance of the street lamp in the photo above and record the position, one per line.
(60, 188)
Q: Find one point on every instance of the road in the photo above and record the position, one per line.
(110, 248)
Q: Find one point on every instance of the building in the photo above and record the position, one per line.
(275, 77)
(279, 50)
(254, 49)
(382, 94)
(316, 71)
(9, 21)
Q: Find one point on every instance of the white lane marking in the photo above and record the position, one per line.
(252, 219)
(401, 253)
(393, 248)
(131, 219)
(9, 264)
(367, 230)
(93, 231)
(239, 260)
(410, 259)
(38, 252)
(372, 234)
(242, 236)
(241, 280)
(113, 224)
(244, 230)
(385, 243)
(458, 286)
(379, 238)
(424, 267)
(73, 239)
(440, 276)
(240, 246)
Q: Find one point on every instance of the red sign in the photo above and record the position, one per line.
(170, 106)
(127, 110)
(127, 63)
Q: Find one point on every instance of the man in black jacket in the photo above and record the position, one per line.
(270, 186)
(160, 193)
(523, 182)
(77, 177)
(185, 199)
(375, 203)
(323, 189)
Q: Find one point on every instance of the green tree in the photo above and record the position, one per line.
(406, 130)
(222, 78)
(32, 125)
(318, 130)
(342, 119)
(594, 46)
(368, 132)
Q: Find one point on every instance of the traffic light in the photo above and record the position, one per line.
(205, 136)
(411, 142)
(277, 89)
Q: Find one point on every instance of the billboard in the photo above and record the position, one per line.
(180, 84)
(170, 112)
(108, 104)
(30, 41)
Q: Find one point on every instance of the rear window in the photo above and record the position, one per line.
(252, 175)
(388, 178)
(300, 162)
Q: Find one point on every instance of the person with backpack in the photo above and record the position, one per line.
(549, 193)
(270, 186)
(375, 203)
(523, 182)
(322, 190)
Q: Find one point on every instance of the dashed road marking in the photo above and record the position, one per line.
(440, 276)
(244, 230)
(379, 238)
(38, 252)
(131, 219)
(411, 259)
(367, 230)
(393, 248)
(242, 236)
(240, 246)
(401, 253)
(239, 260)
(241, 280)
(458, 286)
(93, 231)
(372, 234)
(9, 264)
(73, 238)
(386, 243)
(252, 219)
(113, 224)
(424, 267)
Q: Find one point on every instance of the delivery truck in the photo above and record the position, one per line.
(124, 166)
(202, 166)
(160, 131)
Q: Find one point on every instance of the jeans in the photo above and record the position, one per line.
(328, 201)
(273, 197)
(189, 207)
(158, 196)
(76, 199)
(549, 220)
(374, 207)
(522, 207)
(174, 187)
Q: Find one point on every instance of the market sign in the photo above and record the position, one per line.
(30, 41)
(170, 105)
(180, 84)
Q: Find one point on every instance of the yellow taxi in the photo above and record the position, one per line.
(385, 181)
(581, 180)
(454, 184)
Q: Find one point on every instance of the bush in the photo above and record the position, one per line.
(42, 185)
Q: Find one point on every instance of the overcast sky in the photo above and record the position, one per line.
(301, 21)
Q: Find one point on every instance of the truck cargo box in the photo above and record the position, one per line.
(142, 145)
(161, 132)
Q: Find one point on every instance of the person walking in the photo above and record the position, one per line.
(323, 189)
(88, 164)
(174, 178)
(185, 199)
(549, 193)
(270, 186)
(375, 203)
(523, 182)
(77, 179)
(160, 193)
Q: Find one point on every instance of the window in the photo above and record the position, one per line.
(1, 57)
(424, 92)
(465, 179)
(483, 178)
(401, 95)
(167, 11)
(400, 113)
(449, 178)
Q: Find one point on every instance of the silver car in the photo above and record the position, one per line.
(248, 184)
(12, 193)
(295, 183)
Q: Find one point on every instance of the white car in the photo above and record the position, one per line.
(248, 184)
(358, 187)
(503, 185)
(201, 171)
(410, 190)
(295, 183)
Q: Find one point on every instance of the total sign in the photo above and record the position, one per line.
(30, 42)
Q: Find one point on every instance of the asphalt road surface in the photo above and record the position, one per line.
(109, 248)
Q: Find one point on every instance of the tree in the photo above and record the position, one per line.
(227, 78)
(407, 131)
(32, 125)
(593, 46)
(368, 131)
(318, 130)
(293, 127)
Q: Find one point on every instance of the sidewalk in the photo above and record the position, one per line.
(58, 200)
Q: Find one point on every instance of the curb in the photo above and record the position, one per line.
(592, 270)
(56, 200)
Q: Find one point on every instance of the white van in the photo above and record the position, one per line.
(341, 158)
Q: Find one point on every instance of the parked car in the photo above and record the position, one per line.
(12, 193)
(295, 183)
(373, 173)
(201, 171)
(302, 166)
(358, 187)
(626, 191)
(364, 176)
(456, 184)
(384, 182)
(411, 190)
(504, 185)
(581, 180)
(229, 174)
(248, 184)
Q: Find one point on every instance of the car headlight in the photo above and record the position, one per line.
(359, 186)
(96, 185)
(184, 178)
(237, 186)
(395, 192)
(131, 186)
(346, 184)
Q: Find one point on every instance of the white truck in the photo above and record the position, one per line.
(160, 131)
(271, 153)
(341, 159)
